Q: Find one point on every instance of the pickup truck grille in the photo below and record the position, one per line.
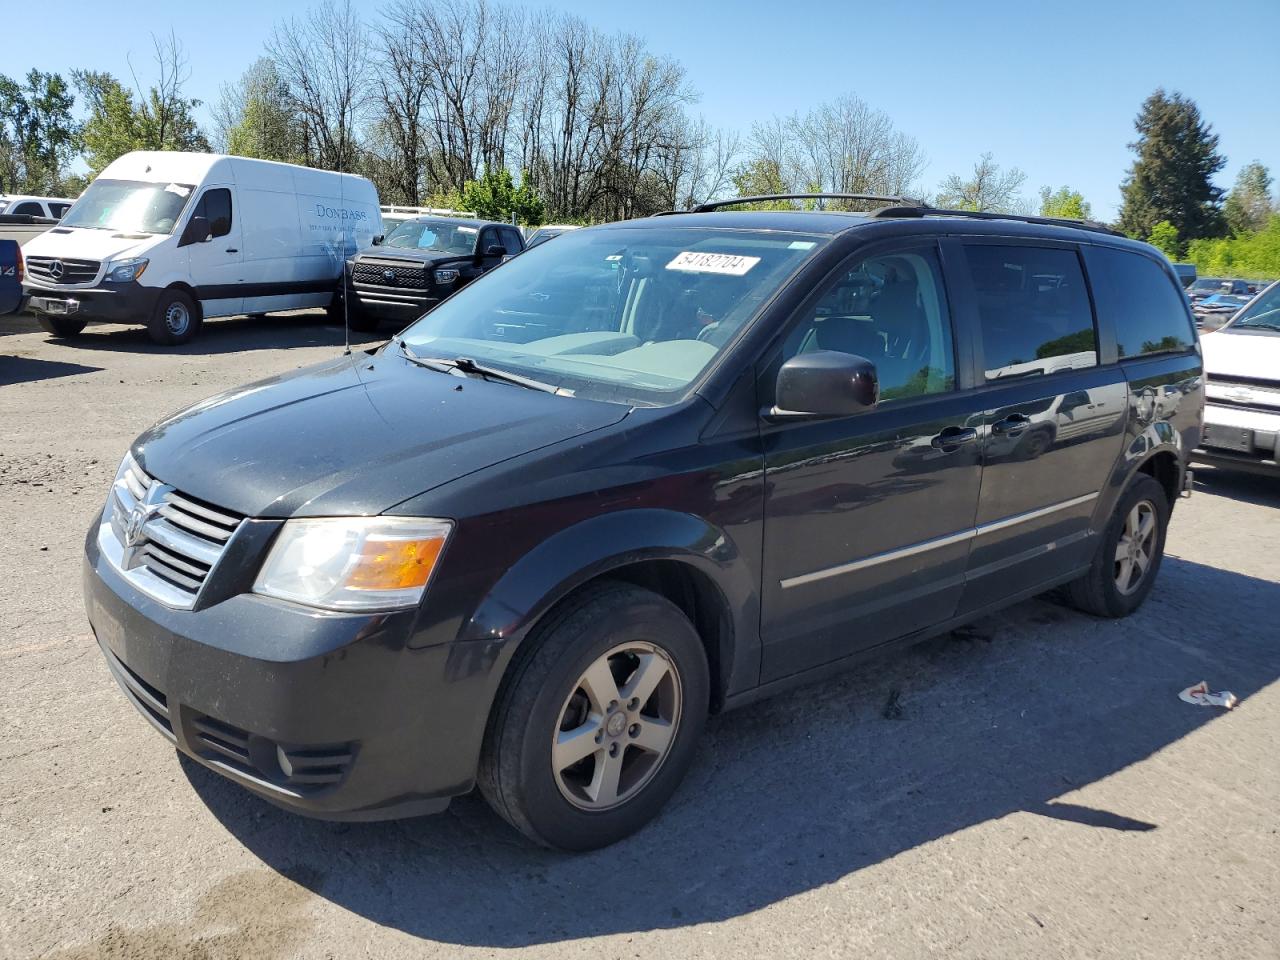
(1249, 393)
(398, 274)
(56, 270)
(163, 541)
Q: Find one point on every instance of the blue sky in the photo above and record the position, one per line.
(1051, 88)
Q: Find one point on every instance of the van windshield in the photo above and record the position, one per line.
(130, 206)
(438, 235)
(630, 314)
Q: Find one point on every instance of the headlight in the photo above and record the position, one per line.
(353, 563)
(446, 275)
(122, 271)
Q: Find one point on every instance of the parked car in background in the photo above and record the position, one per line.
(1216, 309)
(1242, 410)
(10, 276)
(545, 233)
(421, 262)
(1186, 273)
(1204, 287)
(170, 239)
(54, 208)
(647, 472)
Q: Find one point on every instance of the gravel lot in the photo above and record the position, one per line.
(1030, 786)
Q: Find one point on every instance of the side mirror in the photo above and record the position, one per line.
(197, 231)
(377, 241)
(825, 383)
(495, 250)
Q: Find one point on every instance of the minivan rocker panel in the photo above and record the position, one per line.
(637, 531)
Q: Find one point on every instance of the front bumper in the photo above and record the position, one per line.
(331, 715)
(1240, 438)
(391, 303)
(110, 302)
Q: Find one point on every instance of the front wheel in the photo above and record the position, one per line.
(1129, 554)
(175, 320)
(598, 720)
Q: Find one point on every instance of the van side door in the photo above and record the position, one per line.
(215, 264)
(1054, 419)
(868, 517)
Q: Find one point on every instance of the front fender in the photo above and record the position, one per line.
(586, 550)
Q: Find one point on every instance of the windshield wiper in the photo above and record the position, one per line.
(1256, 324)
(466, 365)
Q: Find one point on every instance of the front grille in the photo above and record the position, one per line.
(164, 541)
(1247, 393)
(398, 274)
(58, 270)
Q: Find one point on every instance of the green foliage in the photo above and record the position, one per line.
(1249, 205)
(117, 124)
(38, 138)
(1064, 202)
(1253, 255)
(1078, 342)
(496, 197)
(1172, 176)
(268, 127)
(1164, 237)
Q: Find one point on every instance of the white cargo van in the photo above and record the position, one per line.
(169, 239)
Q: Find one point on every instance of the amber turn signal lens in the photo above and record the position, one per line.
(393, 564)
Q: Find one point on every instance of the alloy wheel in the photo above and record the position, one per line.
(616, 727)
(1136, 547)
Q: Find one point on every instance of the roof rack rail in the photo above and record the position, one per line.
(923, 210)
(711, 205)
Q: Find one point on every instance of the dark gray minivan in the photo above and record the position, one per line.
(653, 470)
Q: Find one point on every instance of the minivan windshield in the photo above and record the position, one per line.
(1263, 314)
(631, 314)
(441, 236)
(130, 206)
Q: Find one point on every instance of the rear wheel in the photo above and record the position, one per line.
(598, 720)
(60, 326)
(1128, 559)
(175, 320)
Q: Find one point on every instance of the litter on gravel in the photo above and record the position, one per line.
(1202, 696)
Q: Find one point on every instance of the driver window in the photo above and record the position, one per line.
(891, 310)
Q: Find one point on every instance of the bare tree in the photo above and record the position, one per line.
(324, 59)
(988, 189)
(166, 119)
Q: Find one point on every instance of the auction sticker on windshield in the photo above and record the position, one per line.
(727, 263)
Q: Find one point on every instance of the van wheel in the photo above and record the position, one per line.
(176, 319)
(60, 326)
(1128, 559)
(598, 719)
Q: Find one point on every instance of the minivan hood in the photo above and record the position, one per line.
(1253, 355)
(354, 436)
(83, 243)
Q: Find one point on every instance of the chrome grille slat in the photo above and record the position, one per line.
(178, 543)
(73, 271)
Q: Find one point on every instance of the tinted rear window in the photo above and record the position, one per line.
(1033, 308)
(1141, 300)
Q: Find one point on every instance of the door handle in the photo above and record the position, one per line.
(1011, 425)
(232, 250)
(953, 437)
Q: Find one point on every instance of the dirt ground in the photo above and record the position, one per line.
(1028, 787)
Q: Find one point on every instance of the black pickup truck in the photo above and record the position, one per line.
(421, 262)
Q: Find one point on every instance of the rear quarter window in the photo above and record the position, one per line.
(1140, 300)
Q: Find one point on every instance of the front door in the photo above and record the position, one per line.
(868, 518)
(1055, 417)
(216, 265)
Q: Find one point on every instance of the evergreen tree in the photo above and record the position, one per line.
(1171, 180)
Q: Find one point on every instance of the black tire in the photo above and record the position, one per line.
(175, 320)
(516, 773)
(1099, 592)
(60, 326)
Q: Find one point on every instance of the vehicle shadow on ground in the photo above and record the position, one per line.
(224, 335)
(29, 369)
(1261, 491)
(1011, 714)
